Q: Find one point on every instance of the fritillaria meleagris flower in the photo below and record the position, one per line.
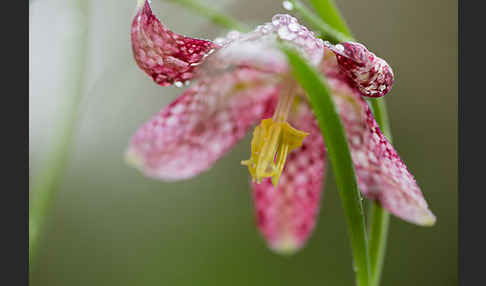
(244, 79)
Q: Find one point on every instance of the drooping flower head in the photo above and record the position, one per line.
(244, 79)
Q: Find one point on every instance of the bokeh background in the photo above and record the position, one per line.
(109, 225)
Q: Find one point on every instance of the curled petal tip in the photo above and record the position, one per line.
(370, 74)
(164, 55)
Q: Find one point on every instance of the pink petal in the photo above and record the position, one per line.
(286, 215)
(260, 50)
(369, 73)
(381, 173)
(201, 125)
(166, 56)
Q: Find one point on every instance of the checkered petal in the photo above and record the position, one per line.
(381, 173)
(201, 125)
(367, 72)
(259, 48)
(165, 56)
(286, 215)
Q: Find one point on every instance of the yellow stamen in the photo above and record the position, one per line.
(274, 139)
(272, 142)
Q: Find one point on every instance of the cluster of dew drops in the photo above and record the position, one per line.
(233, 35)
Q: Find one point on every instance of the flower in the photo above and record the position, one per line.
(244, 79)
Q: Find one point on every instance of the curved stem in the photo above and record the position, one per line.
(378, 217)
(378, 106)
(46, 183)
(337, 146)
(378, 233)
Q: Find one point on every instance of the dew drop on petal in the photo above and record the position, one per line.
(339, 47)
(288, 5)
(285, 33)
(275, 21)
(219, 41)
(294, 27)
(178, 84)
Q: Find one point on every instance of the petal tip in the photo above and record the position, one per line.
(427, 219)
(133, 159)
(418, 215)
(372, 75)
(286, 246)
(141, 3)
(167, 57)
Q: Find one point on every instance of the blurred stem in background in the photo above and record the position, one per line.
(215, 16)
(327, 10)
(326, 30)
(47, 180)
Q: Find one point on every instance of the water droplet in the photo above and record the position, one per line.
(267, 28)
(339, 48)
(288, 5)
(219, 41)
(285, 33)
(178, 84)
(280, 19)
(294, 27)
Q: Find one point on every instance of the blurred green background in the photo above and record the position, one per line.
(112, 226)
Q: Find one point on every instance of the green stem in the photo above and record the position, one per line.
(379, 218)
(378, 233)
(46, 183)
(378, 105)
(326, 30)
(337, 146)
(214, 15)
(327, 10)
